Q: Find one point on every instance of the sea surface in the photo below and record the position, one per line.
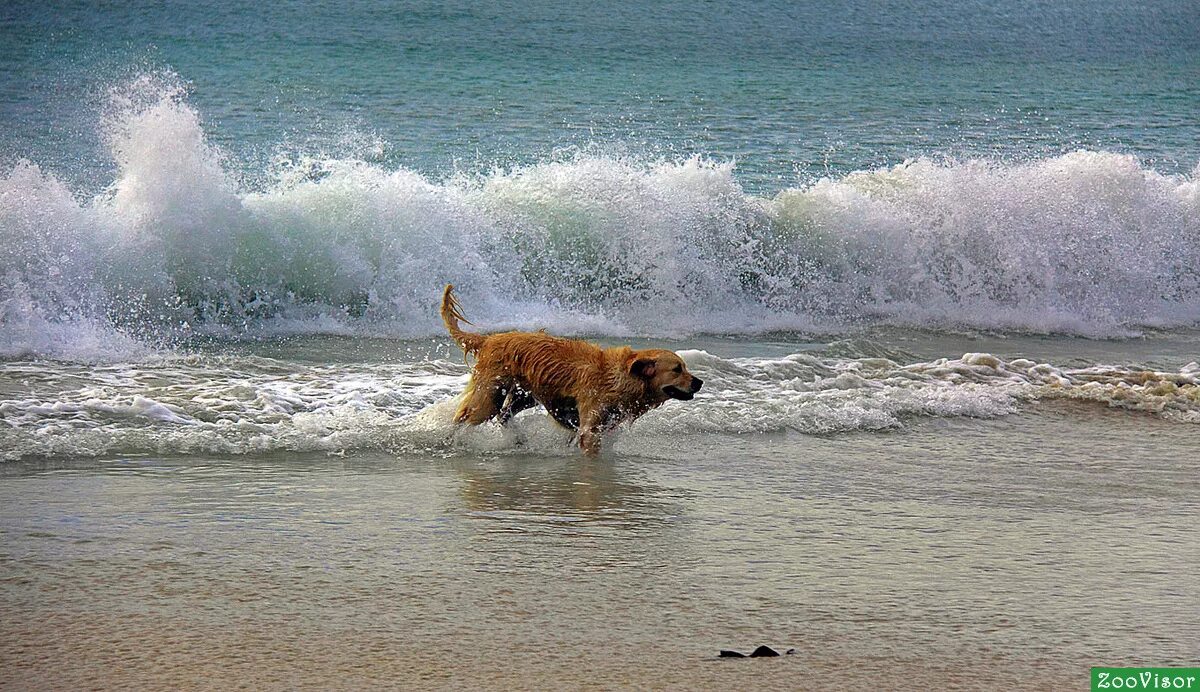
(938, 264)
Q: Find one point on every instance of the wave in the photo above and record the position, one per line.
(250, 405)
(1089, 243)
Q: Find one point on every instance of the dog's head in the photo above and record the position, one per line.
(664, 373)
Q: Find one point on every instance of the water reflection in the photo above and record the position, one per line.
(568, 517)
(588, 490)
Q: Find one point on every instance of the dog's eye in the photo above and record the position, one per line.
(678, 368)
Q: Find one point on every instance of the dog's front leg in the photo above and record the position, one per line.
(589, 430)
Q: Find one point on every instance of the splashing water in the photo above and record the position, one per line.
(254, 405)
(1090, 243)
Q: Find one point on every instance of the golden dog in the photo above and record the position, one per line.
(584, 387)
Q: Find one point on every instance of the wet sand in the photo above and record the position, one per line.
(960, 553)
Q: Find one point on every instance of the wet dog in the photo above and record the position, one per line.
(585, 388)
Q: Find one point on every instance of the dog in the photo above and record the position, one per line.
(585, 388)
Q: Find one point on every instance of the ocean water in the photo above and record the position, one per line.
(937, 263)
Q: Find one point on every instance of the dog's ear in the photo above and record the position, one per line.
(642, 367)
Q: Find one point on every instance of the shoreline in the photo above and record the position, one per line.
(965, 552)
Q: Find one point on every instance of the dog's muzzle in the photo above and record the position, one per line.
(677, 393)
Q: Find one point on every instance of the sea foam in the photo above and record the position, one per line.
(1090, 243)
(248, 405)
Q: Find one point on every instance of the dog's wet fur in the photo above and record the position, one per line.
(584, 387)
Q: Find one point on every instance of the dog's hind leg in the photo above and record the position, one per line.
(513, 399)
(479, 402)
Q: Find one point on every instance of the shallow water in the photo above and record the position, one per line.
(975, 551)
(346, 396)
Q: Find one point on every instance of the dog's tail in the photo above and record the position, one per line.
(451, 315)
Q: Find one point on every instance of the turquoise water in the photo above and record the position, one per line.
(226, 167)
(789, 90)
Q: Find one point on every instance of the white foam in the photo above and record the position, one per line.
(231, 405)
(1090, 242)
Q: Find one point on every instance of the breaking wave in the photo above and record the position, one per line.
(1090, 243)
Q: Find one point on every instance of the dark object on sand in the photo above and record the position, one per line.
(760, 652)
